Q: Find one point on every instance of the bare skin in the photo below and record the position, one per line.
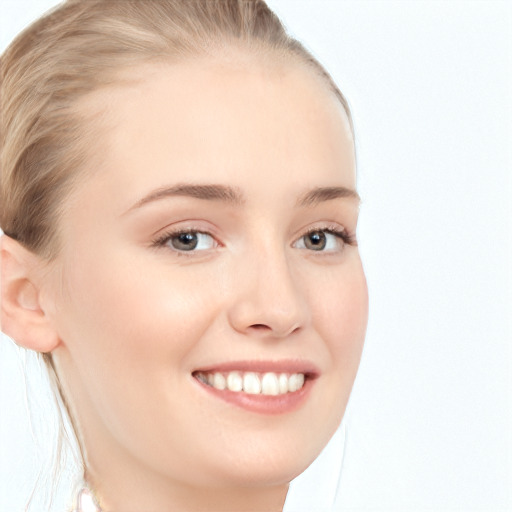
(132, 314)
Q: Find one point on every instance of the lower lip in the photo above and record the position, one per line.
(262, 404)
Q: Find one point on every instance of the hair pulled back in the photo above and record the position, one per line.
(78, 48)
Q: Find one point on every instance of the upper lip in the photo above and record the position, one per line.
(278, 366)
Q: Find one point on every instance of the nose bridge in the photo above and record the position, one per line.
(268, 299)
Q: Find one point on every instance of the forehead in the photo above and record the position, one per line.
(243, 122)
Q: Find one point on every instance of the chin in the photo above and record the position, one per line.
(270, 463)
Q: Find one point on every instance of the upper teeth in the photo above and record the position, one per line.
(254, 383)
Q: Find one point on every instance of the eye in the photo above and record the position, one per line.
(323, 240)
(187, 241)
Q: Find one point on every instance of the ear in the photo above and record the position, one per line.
(22, 316)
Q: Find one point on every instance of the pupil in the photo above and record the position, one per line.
(316, 240)
(185, 241)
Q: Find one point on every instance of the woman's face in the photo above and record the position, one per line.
(213, 242)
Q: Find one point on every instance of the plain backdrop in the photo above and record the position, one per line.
(429, 423)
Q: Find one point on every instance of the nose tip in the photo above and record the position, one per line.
(270, 307)
(263, 321)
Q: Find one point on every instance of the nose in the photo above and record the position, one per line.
(267, 300)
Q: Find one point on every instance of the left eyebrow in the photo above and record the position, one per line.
(321, 194)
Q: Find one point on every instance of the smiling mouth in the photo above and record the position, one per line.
(253, 383)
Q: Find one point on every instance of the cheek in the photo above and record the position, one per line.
(341, 305)
(127, 295)
(131, 322)
(339, 309)
(340, 314)
(129, 333)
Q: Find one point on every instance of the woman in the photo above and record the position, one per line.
(179, 207)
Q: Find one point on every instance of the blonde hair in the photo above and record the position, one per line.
(78, 48)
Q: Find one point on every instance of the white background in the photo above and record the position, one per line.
(429, 424)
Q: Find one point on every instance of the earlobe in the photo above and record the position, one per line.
(22, 316)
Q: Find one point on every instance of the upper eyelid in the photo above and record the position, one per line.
(186, 226)
(328, 226)
(331, 227)
(166, 235)
(341, 234)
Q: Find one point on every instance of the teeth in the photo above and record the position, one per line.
(283, 383)
(295, 382)
(235, 381)
(219, 381)
(269, 384)
(252, 383)
(202, 377)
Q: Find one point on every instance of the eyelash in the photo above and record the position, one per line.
(162, 241)
(342, 234)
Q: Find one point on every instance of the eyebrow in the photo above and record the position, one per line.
(208, 192)
(234, 196)
(321, 194)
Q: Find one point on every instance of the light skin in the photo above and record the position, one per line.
(129, 315)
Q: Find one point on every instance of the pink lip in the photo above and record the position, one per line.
(282, 366)
(263, 404)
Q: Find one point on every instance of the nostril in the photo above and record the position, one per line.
(266, 330)
(260, 327)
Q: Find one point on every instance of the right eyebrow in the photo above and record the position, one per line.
(321, 194)
(207, 192)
